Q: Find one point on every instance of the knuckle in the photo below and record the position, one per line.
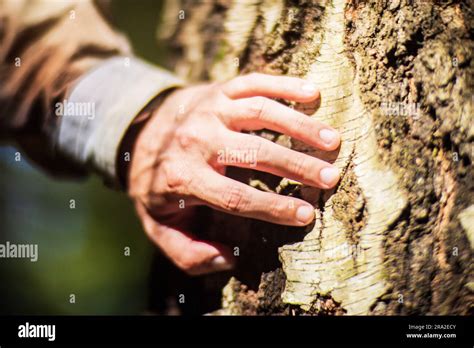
(235, 84)
(300, 123)
(177, 177)
(299, 165)
(187, 136)
(256, 147)
(257, 107)
(252, 149)
(215, 86)
(234, 199)
(276, 208)
(223, 108)
(252, 142)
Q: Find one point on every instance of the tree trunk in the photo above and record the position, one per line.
(396, 236)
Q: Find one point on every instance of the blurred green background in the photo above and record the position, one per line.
(81, 250)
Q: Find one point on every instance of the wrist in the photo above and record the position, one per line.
(127, 145)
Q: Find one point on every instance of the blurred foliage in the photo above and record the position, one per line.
(81, 250)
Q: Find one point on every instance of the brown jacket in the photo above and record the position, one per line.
(69, 84)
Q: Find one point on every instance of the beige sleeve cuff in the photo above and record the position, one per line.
(101, 107)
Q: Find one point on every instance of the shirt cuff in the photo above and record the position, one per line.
(100, 108)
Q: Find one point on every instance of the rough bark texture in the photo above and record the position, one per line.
(396, 236)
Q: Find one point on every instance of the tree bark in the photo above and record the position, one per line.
(397, 234)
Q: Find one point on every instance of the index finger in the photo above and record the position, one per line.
(285, 87)
(236, 198)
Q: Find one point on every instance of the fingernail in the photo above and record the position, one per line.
(309, 88)
(220, 263)
(329, 175)
(305, 214)
(328, 136)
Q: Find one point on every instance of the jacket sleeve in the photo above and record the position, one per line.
(69, 85)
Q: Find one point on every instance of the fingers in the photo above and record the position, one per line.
(233, 197)
(193, 256)
(249, 151)
(259, 112)
(285, 87)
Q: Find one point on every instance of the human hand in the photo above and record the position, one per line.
(180, 157)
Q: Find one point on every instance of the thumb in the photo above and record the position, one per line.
(193, 256)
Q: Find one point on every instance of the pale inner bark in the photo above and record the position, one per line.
(326, 262)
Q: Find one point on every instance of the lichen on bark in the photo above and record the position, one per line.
(394, 237)
(420, 53)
